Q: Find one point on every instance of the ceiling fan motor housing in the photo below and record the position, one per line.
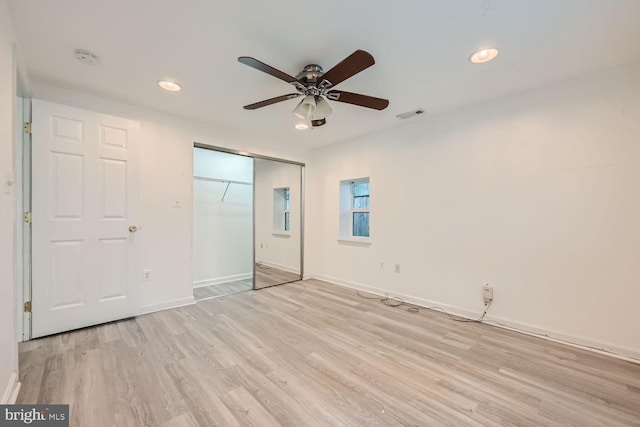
(310, 74)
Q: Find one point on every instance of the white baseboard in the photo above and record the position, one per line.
(601, 347)
(595, 346)
(146, 309)
(11, 391)
(279, 266)
(219, 280)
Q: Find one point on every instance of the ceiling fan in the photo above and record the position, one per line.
(316, 85)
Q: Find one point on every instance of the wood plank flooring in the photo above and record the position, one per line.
(265, 277)
(314, 354)
(222, 289)
(269, 276)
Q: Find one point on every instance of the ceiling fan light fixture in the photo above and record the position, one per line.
(305, 109)
(484, 55)
(309, 99)
(323, 109)
(302, 126)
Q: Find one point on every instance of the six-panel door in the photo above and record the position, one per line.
(85, 198)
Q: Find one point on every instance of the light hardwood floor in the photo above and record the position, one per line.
(269, 276)
(222, 289)
(265, 277)
(314, 354)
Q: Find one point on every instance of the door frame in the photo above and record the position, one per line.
(302, 197)
(25, 227)
(22, 188)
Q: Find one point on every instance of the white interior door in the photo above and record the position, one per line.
(85, 198)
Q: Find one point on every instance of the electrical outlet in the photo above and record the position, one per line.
(397, 268)
(261, 245)
(146, 275)
(381, 265)
(487, 293)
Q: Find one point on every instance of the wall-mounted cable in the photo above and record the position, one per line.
(413, 308)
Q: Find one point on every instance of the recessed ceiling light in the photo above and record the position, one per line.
(171, 86)
(302, 126)
(484, 55)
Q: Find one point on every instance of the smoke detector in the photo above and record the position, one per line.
(410, 114)
(85, 56)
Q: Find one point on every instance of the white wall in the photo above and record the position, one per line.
(219, 165)
(277, 249)
(537, 194)
(222, 229)
(166, 167)
(8, 257)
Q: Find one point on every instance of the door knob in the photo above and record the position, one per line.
(133, 228)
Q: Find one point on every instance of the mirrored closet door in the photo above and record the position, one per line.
(248, 230)
(278, 203)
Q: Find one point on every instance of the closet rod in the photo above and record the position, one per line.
(202, 178)
(225, 191)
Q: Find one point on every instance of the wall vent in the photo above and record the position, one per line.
(408, 114)
(85, 56)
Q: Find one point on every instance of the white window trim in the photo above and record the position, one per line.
(284, 235)
(347, 238)
(355, 241)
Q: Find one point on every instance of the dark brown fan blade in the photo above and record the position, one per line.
(271, 101)
(319, 122)
(350, 66)
(357, 99)
(261, 66)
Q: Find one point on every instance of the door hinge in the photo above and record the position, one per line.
(27, 307)
(27, 127)
(27, 217)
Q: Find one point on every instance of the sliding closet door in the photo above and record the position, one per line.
(278, 222)
(222, 223)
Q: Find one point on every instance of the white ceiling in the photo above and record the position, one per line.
(421, 49)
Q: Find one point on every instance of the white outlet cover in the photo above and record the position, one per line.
(487, 292)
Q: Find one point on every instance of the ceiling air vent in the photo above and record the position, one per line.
(410, 114)
(85, 56)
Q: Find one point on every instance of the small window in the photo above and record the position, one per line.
(355, 215)
(282, 210)
(287, 206)
(360, 209)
